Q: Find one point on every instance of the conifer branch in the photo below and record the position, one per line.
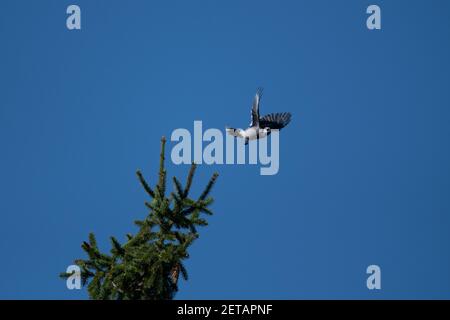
(208, 188)
(144, 184)
(179, 188)
(189, 179)
(162, 171)
(148, 264)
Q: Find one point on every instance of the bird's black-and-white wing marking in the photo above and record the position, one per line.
(255, 108)
(275, 120)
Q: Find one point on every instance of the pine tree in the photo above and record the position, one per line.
(148, 265)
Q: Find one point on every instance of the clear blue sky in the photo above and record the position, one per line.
(365, 163)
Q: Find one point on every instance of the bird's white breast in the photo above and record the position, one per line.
(253, 133)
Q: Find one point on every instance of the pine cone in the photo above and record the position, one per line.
(175, 273)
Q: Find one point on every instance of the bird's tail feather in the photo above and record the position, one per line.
(232, 131)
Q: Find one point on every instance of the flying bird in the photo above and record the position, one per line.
(261, 127)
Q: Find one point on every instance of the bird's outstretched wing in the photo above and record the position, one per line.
(275, 120)
(255, 108)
